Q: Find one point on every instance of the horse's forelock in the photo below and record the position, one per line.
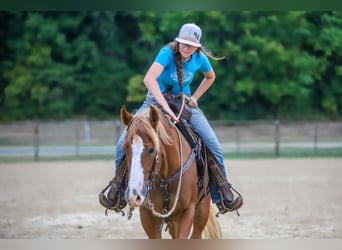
(140, 124)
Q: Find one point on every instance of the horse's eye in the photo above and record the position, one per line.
(151, 150)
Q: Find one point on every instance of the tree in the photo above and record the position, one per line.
(88, 64)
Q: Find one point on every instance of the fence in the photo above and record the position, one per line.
(280, 138)
(241, 138)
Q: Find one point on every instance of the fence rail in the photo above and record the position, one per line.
(274, 138)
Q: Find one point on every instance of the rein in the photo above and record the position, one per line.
(163, 182)
(182, 107)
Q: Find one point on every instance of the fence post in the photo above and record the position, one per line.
(77, 140)
(276, 137)
(36, 142)
(315, 137)
(237, 137)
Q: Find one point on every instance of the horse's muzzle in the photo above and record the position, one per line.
(136, 197)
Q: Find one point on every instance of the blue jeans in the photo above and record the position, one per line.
(201, 125)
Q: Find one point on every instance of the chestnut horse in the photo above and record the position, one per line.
(162, 179)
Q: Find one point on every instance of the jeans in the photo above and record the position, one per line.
(201, 125)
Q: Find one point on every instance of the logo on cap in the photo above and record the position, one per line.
(190, 34)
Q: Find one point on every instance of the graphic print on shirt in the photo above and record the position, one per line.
(187, 76)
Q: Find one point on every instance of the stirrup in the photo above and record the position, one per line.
(223, 208)
(118, 205)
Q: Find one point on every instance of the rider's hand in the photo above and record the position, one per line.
(192, 102)
(174, 118)
(169, 111)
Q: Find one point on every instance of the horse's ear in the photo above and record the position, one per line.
(126, 117)
(154, 116)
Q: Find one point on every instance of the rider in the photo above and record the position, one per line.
(175, 65)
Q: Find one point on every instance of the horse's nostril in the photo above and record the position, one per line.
(138, 198)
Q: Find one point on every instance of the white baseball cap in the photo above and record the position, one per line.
(190, 34)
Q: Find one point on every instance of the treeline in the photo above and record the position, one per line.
(59, 65)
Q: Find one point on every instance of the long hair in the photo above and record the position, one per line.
(174, 45)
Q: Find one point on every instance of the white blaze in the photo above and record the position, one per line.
(136, 180)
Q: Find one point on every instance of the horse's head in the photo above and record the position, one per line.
(143, 150)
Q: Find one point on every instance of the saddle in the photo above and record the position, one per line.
(179, 106)
(208, 168)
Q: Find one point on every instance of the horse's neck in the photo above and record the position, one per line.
(173, 157)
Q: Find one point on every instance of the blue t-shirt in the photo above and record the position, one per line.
(169, 74)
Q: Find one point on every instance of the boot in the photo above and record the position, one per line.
(228, 203)
(216, 175)
(115, 197)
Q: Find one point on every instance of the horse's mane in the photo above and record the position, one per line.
(140, 124)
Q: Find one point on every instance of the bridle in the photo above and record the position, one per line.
(165, 213)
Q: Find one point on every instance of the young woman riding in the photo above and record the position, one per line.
(173, 70)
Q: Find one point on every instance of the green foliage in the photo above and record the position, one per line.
(136, 90)
(88, 64)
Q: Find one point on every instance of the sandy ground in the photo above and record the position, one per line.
(284, 199)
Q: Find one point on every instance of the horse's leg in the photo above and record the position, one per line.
(149, 223)
(183, 222)
(172, 231)
(201, 218)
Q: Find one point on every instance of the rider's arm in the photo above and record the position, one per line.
(150, 81)
(207, 81)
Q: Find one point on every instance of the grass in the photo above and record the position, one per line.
(28, 159)
(287, 153)
(266, 154)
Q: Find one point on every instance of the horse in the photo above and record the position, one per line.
(163, 180)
